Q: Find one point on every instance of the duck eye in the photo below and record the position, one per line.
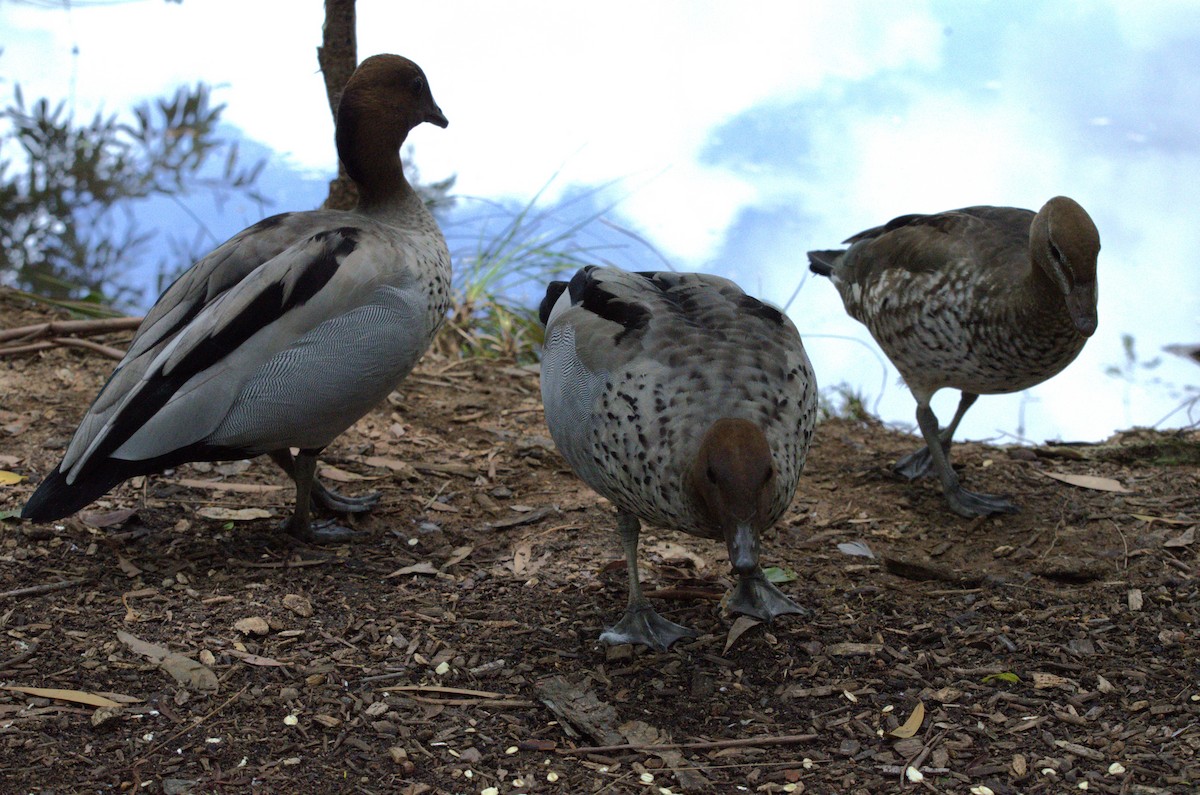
(1055, 253)
(418, 83)
(711, 474)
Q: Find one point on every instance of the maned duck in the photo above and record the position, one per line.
(987, 300)
(689, 405)
(286, 334)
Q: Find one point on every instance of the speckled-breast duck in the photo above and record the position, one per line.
(286, 334)
(986, 300)
(687, 403)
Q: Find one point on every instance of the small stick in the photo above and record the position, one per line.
(743, 742)
(194, 725)
(13, 662)
(44, 588)
(60, 327)
(105, 350)
(684, 594)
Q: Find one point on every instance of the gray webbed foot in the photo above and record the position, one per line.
(330, 500)
(323, 532)
(914, 465)
(643, 625)
(756, 597)
(971, 504)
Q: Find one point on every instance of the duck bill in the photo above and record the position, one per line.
(436, 116)
(743, 548)
(1081, 304)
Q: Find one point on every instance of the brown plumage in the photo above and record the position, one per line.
(687, 403)
(986, 300)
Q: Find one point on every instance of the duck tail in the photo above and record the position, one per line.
(55, 498)
(553, 291)
(822, 262)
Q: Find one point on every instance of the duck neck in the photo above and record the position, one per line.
(371, 155)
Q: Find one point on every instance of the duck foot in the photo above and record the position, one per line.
(324, 532)
(971, 504)
(914, 465)
(643, 625)
(756, 597)
(334, 502)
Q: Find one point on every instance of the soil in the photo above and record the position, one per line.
(453, 647)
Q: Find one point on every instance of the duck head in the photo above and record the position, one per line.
(1064, 244)
(385, 98)
(732, 484)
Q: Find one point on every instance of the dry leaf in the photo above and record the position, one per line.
(1089, 482)
(129, 569)
(252, 625)
(1134, 599)
(912, 725)
(669, 550)
(424, 567)
(457, 556)
(76, 696)
(189, 673)
(298, 605)
(142, 647)
(521, 556)
(9, 478)
(1184, 539)
(329, 472)
(220, 485)
(182, 669)
(107, 518)
(254, 659)
(234, 514)
(1042, 680)
(738, 629)
(856, 548)
(1147, 518)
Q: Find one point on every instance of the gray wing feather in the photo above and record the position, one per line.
(201, 404)
(309, 393)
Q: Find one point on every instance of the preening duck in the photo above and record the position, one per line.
(687, 403)
(286, 334)
(986, 300)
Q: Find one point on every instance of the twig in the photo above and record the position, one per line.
(43, 588)
(70, 342)
(742, 742)
(194, 725)
(105, 350)
(13, 662)
(57, 328)
(684, 594)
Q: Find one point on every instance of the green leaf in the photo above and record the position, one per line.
(13, 514)
(777, 575)
(1007, 676)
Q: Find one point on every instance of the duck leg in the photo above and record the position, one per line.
(640, 624)
(324, 497)
(300, 525)
(919, 464)
(962, 502)
(757, 597)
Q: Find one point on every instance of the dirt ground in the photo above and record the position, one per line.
(453, 649)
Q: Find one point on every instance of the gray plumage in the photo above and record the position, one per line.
(637, 368)
(987, 300)
(286, 334)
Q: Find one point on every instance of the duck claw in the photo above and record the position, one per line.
(757, 597)
(643, 625)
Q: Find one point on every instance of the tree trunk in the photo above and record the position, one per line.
(338, 57)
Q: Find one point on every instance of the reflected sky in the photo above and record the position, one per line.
(738, 136)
